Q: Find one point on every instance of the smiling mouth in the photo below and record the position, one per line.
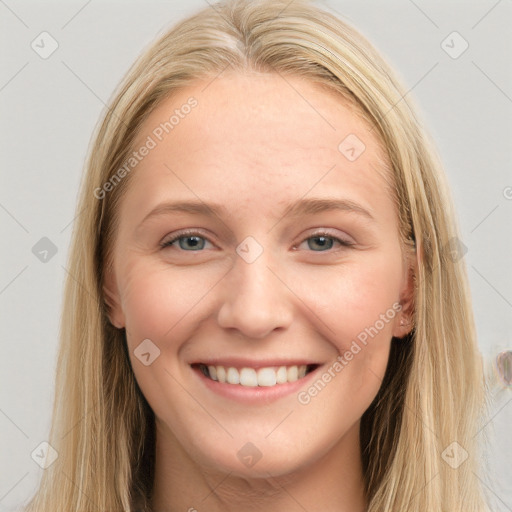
(251, 377)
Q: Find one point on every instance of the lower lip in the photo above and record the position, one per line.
(255, 394)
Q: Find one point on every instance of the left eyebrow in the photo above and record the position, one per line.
(318, 205)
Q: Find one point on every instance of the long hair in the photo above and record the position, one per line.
(432, 395)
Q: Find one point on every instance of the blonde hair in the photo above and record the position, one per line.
(433, 391)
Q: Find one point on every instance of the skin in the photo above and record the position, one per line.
(254, 145)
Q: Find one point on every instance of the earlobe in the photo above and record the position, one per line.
(405, 327)
(111, 299)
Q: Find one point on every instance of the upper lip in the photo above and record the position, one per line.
(236, 362)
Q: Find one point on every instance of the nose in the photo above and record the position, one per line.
(255, 300)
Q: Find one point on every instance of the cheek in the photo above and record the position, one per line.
(355, 298)
(158, 299)
(356, 307)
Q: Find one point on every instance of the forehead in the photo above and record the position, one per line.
(248, 135)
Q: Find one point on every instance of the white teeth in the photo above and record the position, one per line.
(282, 375)
(221, 374)
(248, 377)
(265, 377)
(293, 373)
(232, 376)
(213, 372)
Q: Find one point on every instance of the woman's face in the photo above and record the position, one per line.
(258, 241)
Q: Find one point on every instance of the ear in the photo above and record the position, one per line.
(112, 301)
(405, 319)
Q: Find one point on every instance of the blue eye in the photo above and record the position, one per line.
(187, 242)
(319, 242)
(323, 242)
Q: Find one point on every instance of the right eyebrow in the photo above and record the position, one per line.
(195, 207)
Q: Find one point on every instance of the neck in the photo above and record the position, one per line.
(332, 483)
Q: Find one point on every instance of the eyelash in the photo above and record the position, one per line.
(326, 234)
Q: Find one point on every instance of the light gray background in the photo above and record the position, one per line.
(49, 108)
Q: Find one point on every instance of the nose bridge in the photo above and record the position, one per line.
(255, 301)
